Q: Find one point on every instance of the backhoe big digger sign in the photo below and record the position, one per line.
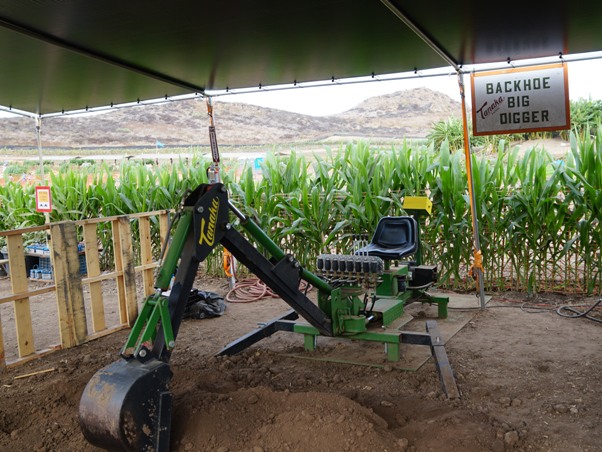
(520, 100)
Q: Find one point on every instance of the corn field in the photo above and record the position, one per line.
(539, 218)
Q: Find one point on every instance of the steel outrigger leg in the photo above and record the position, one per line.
(432, 338)
(446, 373)
(282, 323)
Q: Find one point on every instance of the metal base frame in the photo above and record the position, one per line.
(432, 338)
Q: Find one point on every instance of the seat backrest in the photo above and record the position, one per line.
(393, 232)
(394, 238)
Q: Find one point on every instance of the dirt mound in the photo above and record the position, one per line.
(262, 419)
(264, 401)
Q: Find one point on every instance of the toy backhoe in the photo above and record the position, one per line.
(127, 404)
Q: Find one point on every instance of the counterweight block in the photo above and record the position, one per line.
(127, 406)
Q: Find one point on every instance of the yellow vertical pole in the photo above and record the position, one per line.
(477, 265)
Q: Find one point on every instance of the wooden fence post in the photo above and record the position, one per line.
(146, 255)
(125, 267)
(93, 269)
(18, 280)
(164, 229)
(2, 354)
(69, 293)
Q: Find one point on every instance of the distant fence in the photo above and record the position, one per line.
(77, 281)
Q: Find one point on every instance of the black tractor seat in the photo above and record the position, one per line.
(394, 238)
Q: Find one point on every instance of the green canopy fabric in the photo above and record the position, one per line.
(72, 54)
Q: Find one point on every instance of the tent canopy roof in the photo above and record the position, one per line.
(72, 54)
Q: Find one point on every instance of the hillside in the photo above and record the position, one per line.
(404, 114)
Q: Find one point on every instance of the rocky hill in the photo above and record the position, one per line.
(404, 114)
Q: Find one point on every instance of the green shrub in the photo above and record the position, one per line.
(14, 170)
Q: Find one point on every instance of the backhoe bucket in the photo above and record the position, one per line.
(127, 406)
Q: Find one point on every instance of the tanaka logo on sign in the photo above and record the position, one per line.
(520, 100)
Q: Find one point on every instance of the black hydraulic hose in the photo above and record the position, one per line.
(576, 314)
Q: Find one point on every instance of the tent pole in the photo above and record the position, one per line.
(477, 266)
(422, 34)
(91, 53)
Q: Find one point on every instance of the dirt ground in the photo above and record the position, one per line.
(529, 380)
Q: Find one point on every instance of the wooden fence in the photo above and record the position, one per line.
(80, 318)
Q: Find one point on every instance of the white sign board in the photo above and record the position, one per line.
(520, 100)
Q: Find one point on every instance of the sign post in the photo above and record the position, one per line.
(43, 199)
(477, 265)
(518, 100)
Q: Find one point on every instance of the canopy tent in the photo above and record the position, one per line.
(72, 55)
(60, 56)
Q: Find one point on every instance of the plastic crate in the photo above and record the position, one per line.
(44, 263)
(83, 268)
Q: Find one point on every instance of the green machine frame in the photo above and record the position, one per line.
(358, 295)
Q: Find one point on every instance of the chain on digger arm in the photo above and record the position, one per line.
(213, 172)
(214, 176)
